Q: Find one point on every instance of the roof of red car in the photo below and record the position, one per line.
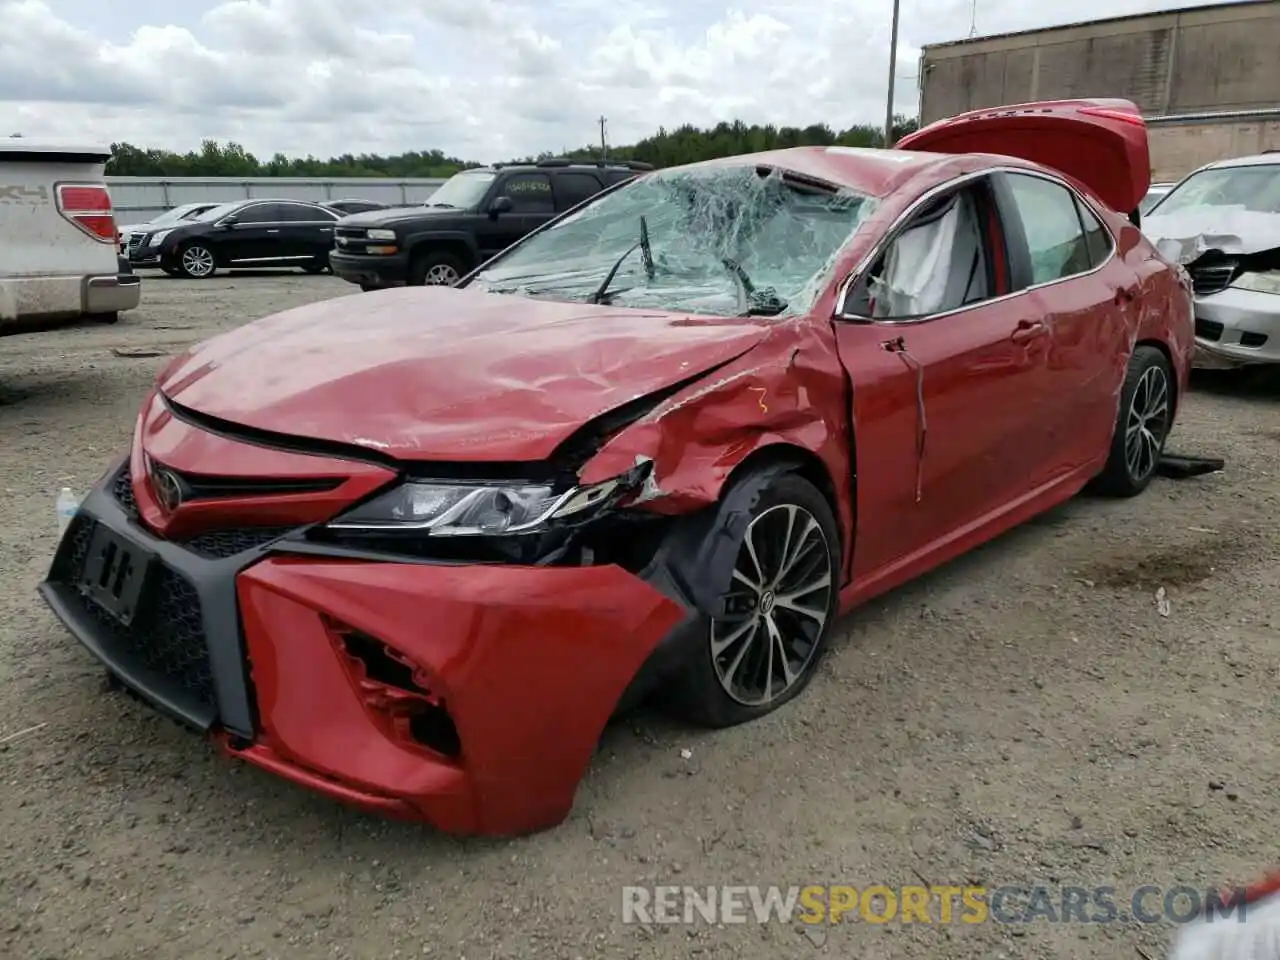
(865, 169)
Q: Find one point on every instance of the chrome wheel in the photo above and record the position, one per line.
(1146, 423)
(442, 275)
(197, 261)
(777, 607)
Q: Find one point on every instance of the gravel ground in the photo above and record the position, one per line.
(1025, 715)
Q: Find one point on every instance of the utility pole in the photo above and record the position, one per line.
(893, 63)
(604, 146)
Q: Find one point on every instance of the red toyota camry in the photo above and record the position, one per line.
(414, 548)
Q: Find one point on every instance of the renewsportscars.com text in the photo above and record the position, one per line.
(879, 904)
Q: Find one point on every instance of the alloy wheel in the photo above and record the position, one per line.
(777, 606)
(442, 275)
(197, 261)
(1146, 423)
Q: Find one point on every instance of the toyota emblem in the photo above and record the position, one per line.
(167, 487)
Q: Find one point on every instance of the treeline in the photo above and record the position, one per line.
(686, 144)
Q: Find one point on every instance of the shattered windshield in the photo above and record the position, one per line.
(721, 240)
(463, 190)
(1255, 189)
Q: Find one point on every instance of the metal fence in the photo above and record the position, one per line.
(137, 199)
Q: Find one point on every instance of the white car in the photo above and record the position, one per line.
(58, 238)
(186, 211)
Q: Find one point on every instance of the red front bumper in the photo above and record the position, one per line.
(529, 664)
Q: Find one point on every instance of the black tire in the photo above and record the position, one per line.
(112, 317)
(438, 264)
(195, 252)
(1131, 467)
(366, 287)
(172, 271)
(315, 268)
(701, 693)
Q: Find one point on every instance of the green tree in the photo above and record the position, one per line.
(665, 148)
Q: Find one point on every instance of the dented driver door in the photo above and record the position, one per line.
(948, 380)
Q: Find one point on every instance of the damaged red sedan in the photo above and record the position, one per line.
(413, 549)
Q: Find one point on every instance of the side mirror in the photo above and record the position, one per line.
(500, 205)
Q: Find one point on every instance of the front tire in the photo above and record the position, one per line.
(1143, 421)
(779, 610)
(197, 262)
(435, 268)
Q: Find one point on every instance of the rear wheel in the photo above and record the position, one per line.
(435, 268)
(197, 261)
(776, 614)
(1142, 425)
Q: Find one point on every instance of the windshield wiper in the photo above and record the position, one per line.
(645, 252)
(450, 206)
(753, 302)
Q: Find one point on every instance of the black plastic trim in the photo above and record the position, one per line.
(214, 581)
(57, 156)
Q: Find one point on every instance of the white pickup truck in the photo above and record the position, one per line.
(58, 241)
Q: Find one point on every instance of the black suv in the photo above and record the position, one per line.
(475, 215)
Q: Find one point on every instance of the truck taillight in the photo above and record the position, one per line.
(88, 206)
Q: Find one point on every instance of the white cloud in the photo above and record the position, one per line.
(482, 79)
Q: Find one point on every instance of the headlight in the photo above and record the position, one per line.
(156, 238)
(380, 234)
(1260, 282)
(443, 509)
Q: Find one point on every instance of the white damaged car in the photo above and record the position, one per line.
(1222, 223)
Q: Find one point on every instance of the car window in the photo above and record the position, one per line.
(1252, 188)
(529, 193)
(258, 213)
(572, 188)
(1055, 240)
(1097, 239)
(940, 262)
(301, 213)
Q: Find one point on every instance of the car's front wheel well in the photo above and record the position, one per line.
(454, 248)
(804, 463)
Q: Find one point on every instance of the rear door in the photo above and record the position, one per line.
(305, 231)
(1101, 143)
(1065, 258)
(251, 239)
(948, 367)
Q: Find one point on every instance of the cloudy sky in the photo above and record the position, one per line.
(481, 79)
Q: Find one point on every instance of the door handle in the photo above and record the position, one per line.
(1028, 330)
(273, 231)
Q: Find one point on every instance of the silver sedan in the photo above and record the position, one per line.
(1223, 224)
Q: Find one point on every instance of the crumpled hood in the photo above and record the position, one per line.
(1186, 235)
(434, 373)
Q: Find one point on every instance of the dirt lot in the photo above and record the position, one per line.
(1024, 716)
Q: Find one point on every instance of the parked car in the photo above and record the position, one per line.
(58, 253)
(185, 211)
(1154, 196)
(345, 207)
(413, 549)
(244, 234)
(474, 215)
(1223, 223)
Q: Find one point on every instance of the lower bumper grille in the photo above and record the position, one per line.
(167, 636)
(1208, 329)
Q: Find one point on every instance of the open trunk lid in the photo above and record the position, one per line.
(1101, 143)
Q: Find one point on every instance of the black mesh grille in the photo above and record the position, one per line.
(227, 543)
(168, 637)
(122, 490)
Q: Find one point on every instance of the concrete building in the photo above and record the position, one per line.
(1207, 78)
